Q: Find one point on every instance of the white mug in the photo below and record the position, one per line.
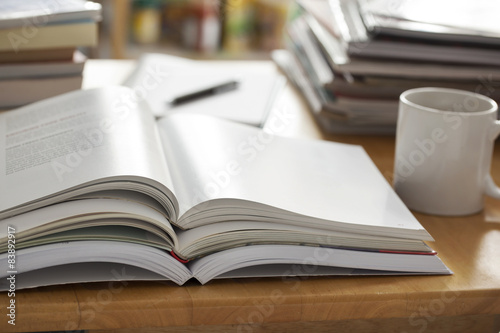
(444, 145)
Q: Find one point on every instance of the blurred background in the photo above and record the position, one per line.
(349, 59)
(206, 29)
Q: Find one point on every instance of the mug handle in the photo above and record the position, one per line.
(491, 188)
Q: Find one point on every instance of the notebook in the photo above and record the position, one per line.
(160, 78)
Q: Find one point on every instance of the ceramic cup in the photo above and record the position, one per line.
(444, 145)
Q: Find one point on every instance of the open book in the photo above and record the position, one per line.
(91, 180)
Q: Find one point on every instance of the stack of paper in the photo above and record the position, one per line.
(353, 58)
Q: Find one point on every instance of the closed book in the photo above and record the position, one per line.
(48, 36)
(45, 69)
(17, 92)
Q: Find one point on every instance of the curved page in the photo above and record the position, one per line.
(214, 237)
(144, 257)
(308, 258)
(338, 184)
(76, 214)
(82, 137)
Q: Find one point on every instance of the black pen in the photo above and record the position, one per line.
(215, 90)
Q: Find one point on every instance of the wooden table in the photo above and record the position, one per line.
(468, 301)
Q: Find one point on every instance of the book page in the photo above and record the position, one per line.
(58, 255)
(77, 140)
(209, 267)
(338, 184)
(75, 214)
(219, 236)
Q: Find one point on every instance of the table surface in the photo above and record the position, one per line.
(467, 300)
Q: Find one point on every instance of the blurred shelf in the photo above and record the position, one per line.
(134, 52)
(116, 41)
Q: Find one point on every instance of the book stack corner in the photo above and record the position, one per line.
(351, 59)
(41, 45)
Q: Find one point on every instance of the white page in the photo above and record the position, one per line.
(78, 138)
(145, 257)
(259, 83)
(191, 236)
(215, 159)
(224, 235)
(82, 211)
(14, 13)
(306, 257)
(478, 17)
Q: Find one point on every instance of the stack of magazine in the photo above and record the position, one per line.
(351, 59)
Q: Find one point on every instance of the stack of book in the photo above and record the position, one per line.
(38, 47)
(352, 59)
(188, 195)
